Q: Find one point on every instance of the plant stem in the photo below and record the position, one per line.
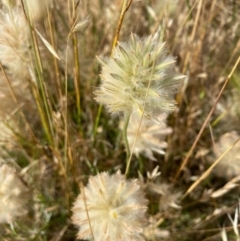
(96, 123)
(125, 7)
(125, 136)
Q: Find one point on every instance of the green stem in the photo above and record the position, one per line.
(40, 93)
(96, 123)
(125, 137)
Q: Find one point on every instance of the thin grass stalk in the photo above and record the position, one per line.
(96, 123)
(125, 128)
(42, 116)
(45, 107)
(208, 171)
(140, 123)
(49, 18)
(124, 9)
(48, 100)
(70, 158)
(44, 110)
(77, 80)
(132, 148)
(43, 89)
(66, 108)
(219, 118)
(233, 54)
(62, 232)
(86, 208)
(67, 149)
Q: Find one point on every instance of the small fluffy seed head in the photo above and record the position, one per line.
(13, 195)
(115, 206)
(138, 78)
(150, 136)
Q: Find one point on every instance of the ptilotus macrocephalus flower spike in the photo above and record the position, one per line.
(139, 78)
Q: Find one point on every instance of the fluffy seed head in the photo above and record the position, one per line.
(14, 46)
(138, 78)
(112, 207)
(13, 195)
(150, 136)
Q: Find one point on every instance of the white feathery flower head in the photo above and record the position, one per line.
(138, 78)
(110, 208)
(14, 41)
(13, 195)
(150, 136)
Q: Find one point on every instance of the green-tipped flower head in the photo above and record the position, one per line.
(138, 78)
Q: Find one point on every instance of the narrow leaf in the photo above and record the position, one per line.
(48, 45)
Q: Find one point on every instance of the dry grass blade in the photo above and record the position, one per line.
(206, 173)
(125, 7)
(48, 45)
(226, 188)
